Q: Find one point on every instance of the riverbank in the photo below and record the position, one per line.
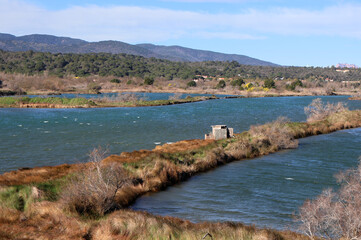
(154, 170)
(212, 91)
(59, 102)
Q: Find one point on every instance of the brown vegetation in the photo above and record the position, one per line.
(93, 191)
(38, 174)
(318, 111)
(47, 220)
(335, 215)
(45, 83)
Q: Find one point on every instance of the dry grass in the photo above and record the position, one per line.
(317, 110)
(275, 135)
(44, 220)
(128, 224)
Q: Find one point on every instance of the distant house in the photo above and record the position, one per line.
(220, 132)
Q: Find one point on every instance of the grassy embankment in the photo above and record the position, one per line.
(40, 203)
(59, 102)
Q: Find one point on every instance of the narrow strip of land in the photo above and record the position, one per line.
(60, 102)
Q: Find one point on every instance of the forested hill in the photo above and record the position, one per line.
(123, 65)
(53, 44)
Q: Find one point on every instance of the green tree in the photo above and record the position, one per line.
(294, 84)
(221, 84)
(237, 82)
(269, 83)
(192, 84)
(149, 80)
(115, 80)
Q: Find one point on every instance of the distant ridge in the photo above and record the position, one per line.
(54, 44)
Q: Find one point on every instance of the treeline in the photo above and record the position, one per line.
(122, 65)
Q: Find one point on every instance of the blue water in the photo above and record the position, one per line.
(264, 191)
(38, 137)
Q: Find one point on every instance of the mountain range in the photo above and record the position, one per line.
(54, 44)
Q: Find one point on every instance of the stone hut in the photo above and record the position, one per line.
(220, 132)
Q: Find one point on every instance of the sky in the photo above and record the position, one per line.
(286, 32)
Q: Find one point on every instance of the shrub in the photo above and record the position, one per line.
(115, 80)
(93, 192)
(192, 84)
(16, 197)
(1, 84)
(221, 84)
(276, 134)
(94, 88)
(8, 101)
(149, 81)
(126, 97)
(335, 215)
(129, 82)
(318, 111)
(237, 82)
(269, 83)
(294, 84)
(176, 96)
(249, 86)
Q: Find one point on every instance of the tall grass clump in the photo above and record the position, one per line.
(93, 192)
(8, 101)
(16, 197)
(317, 110)
(275, 135)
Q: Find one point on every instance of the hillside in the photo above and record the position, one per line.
(53, 44)
(194, 55)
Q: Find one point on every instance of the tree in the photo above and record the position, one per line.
(221, 84)
(192, 84)
(335, 215)
(93, 191)
(294, 84)
(115, 80)
(149, 80)
(269, 83)
(237, 82)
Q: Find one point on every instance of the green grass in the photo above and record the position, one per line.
(82, 102)
(20, 197)
(144, 103)
(15, 101)
(16, 197)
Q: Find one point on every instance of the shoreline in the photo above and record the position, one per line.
(153, 171)
(57, 102)
(48, 101)
(181, 148)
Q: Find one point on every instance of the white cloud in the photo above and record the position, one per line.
(140, 24)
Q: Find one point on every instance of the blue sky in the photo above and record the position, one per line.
(286, 32)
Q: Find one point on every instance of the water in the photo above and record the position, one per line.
(263, 191)
(39, 137)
